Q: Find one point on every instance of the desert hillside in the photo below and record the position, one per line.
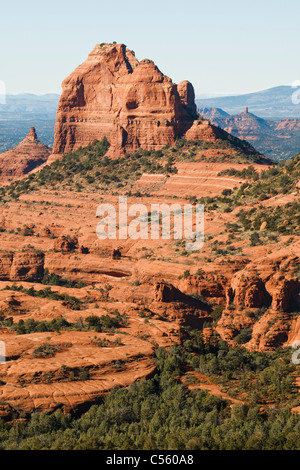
(142, 333)
(81, 315)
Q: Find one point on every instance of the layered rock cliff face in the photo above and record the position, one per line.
(29, 154)
(21, 266)
(264, 297)
(131, 103)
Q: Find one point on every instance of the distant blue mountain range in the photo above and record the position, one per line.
(22, 111)
(274, 103)
(23, 106)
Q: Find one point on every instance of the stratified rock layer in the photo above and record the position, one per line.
(21, 266)
(131, 103)
(29, 154)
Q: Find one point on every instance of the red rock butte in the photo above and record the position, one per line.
(131, 103)
(29, 154)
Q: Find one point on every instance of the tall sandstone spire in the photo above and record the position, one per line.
(129, 102)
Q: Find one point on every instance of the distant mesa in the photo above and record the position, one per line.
(28, 155)
(279, 140)
(131, 103)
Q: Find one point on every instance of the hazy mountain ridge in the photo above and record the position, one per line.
(21, 111)
(274, 103)
(23, 105)
(278, 140)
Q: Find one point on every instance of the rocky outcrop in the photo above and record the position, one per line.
(248, 291)
(66, 244)
(213, 289)
(131, 103)
(21, 266)
(27, 266)
(5, 265)
(29, 154)
(203, 130)
(263, 297)
(31, 136)
(166, 293)
(267, 282)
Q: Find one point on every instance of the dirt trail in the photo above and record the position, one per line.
(206, 384)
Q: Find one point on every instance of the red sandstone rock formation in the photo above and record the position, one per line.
(203, 130)
(31, 136)
(21, 266)
(29, 154)
(5, 265)
(263, 297)
(129, 102)
(66, 244)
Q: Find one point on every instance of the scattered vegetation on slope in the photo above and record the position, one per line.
(90, 169)
(279, 179)
(256, 377)
(162, 413)
(104, 323)
(70, 301)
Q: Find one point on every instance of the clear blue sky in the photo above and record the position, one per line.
(231, 46)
